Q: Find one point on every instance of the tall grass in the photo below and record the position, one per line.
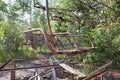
(20, 53)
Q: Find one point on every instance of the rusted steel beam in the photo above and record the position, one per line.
(60, 34)
(96, 67)
(30, 13)
(13, 72)
(85, 65)
(15, 69)
(12, 75)
(48, 22)
(5, 63)
(101, 77)
(95, 75)
(114, 71)
(28, 58)
(54, 34)
(98, 72)
(51, 45)
(16, 59)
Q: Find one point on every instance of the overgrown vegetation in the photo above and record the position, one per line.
(100, 19)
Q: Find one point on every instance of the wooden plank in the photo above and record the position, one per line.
(72, 70)
(69, 69)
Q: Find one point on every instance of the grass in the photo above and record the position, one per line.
(26, 52)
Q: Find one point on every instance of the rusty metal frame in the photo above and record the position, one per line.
(99, 72)
(14, 60)
(51, 46)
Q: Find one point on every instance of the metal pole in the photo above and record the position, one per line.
(48, 21)
(12, 75)
(13, 72)
(101, 77)
(30, 13)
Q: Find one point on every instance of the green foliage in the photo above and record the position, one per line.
(12, 26)
(2, 6)
(107, 41)
(61, 27)
(99, 22)
(2, 26)
(11, 38)
(70, 4)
